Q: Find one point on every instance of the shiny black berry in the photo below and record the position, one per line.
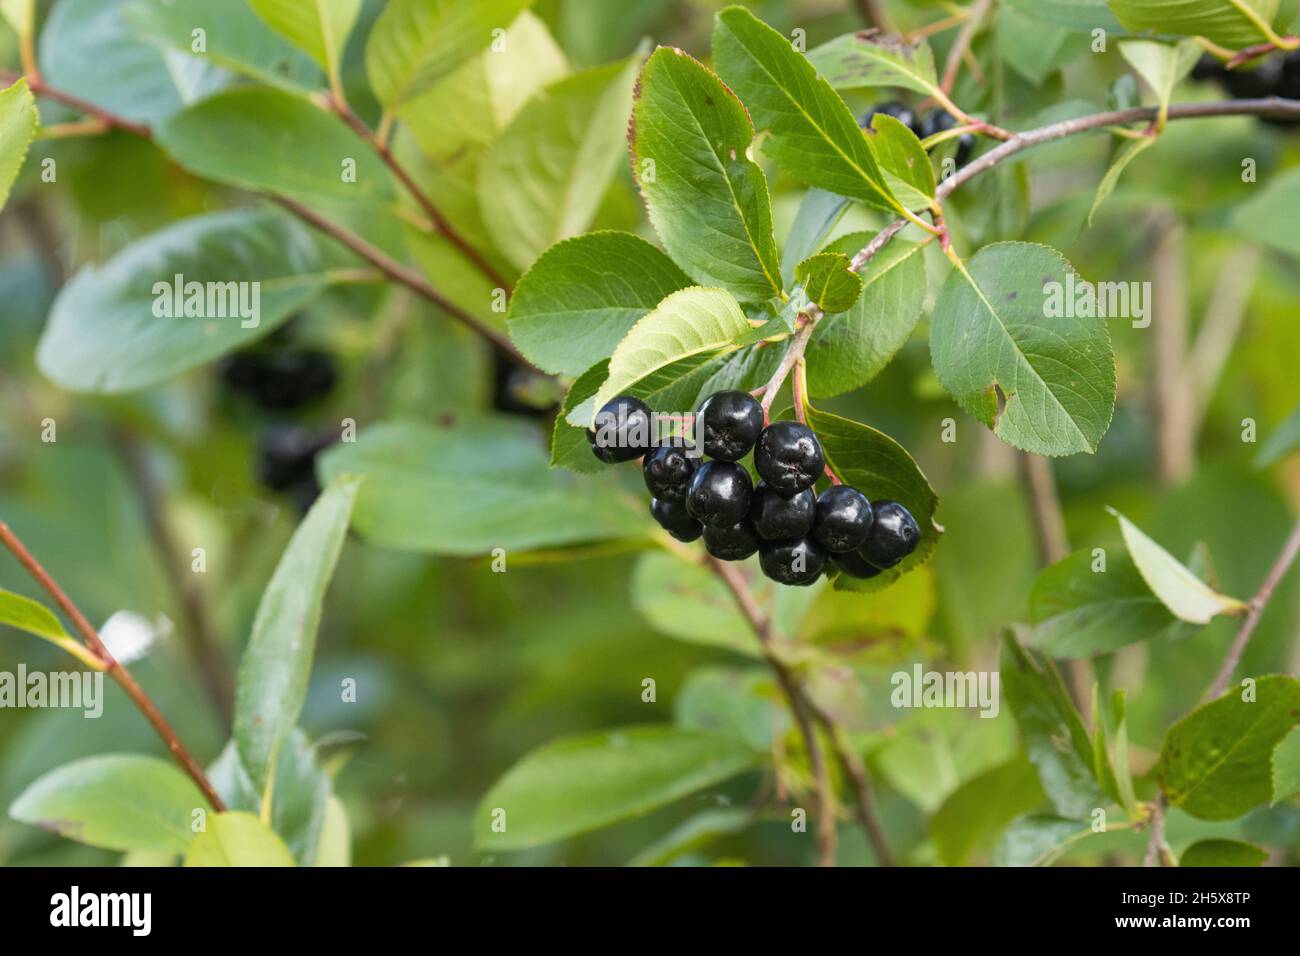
(937, 121)
(719, 494)
(797, 562)
(672, 517)
(789, 457)
(668, 472)
(624, 430)
(732, 544)
(729, 424)
(854, 565)
(286, 461)
(844, 519)
(277, 379)
(778, 518)
(895, 109)
(894, 535)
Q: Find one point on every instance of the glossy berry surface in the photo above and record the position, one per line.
(854, 565)
(623, 430)
(732, 544)
(672, 517)
(892, 108)
(729, 424)
(668, 472)
(843, 521)
(789, 457)
(798, 562)
(777, 517)
(719, 494)
(894, 535)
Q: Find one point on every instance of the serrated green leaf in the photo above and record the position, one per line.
(544, 177)
(1185, 595)
(815, 137)
(320, 28)
(276, 666)
(115, 801)
(18, 123)
(1223, 853)
(577, 784)
(692, 322)
(1127, 152)
(569, 446)
(992, 331)
(847, 351)
(21, 15)
(1221, 21)
(1216, 763)
(237, 839)
(103, 334)
(1286, 766)
(829, 282)
(1036, 840)
(707, 200)
(857, 61)
(902, 160)
(687, 602)
(413, 499)
(978, 809)
(415, 43)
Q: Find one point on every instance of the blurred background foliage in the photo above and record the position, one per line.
(462, 671)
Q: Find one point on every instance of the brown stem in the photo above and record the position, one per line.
(962, 43)
(800, 706)
(1257, 605)
(440, 222)
(115, 670)
(39, 87)
(793, 353)
(864, 794)
(1156, 849)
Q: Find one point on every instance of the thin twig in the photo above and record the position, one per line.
(1156, 849)
(114, 668)
(1256, 605)
(864, 794)
(962, 43)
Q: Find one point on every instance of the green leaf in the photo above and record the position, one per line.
(688, 602)
(1119, 734)
(981, 807)
(318, 27)
(815, 137)
(103, 334)
(903, 162)
(543, 179)
(414, 499)
(577, 784)
(1079, 612)
(819, 213)
(847, 351)
(1284, 440)
(115, 801)
(1182, 592)
(693, 835)
(21, 15)
(1286, 766)
(1052, 730)
(1162, 65)
(18, 123)
(269, 140)
(1216, 763)
(583, 295)
(1266, 217)
(335, 847)
(829, 282)
(415, 43)
(235, 39)
(706, 198)
(992, 332)
(857, 61)
(729, 702)
(237, 839)
(1077, 15)
(881, 469)
(276, 666)
(35, 618)
(1223, 853)
(569, 446)
(1127, 152)
(1221, 21)
(1036, 840)
(694, 321)
(1033, 48)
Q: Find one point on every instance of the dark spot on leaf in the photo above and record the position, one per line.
(1012, 295)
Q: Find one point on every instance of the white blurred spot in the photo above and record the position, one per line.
(129, 635)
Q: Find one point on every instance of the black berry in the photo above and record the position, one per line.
(894, 535)
(668, 471)
(895, 109)
(778, 518)
(729, 425)
(854, 565)
(719, 494)
(937, 121)
(623, 430)
(789, 457)
(732, 544)
(280, 378)
(672, 517)
(797, 562)
(844, 518)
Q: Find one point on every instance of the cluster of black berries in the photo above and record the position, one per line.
(794, 530)
(1274, 76)
(935, 121)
